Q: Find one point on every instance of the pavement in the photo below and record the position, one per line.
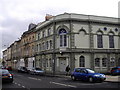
(109, 78)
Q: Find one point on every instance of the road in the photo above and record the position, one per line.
(23, 80)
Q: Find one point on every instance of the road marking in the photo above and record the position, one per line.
(39, 79)
(19, 85)
(63, 84)
(33, 78)
(23, 86)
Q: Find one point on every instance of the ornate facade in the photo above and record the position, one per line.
(72, 39)
(78, 40)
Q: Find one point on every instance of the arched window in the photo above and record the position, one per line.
(97, 62)
(99, 39)
(111, 41)
(63, 37)
(82, 61)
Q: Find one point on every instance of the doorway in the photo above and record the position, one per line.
(62, 64)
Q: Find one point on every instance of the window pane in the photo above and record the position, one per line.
(82, 61)
(99, 41)
(65, 41)
(97, 62)
(111, 41)
(104, 62)
(61, 40)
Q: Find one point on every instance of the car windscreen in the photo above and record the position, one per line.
(90, 71)
(5, 72)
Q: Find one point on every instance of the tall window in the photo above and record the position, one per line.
(39, 47)
(104, 62)
(50, 44)
(97, 62)
(99, 41)
(63, 37)
(112, 62)
(82, 61)
(50, 62)
(47, 45)
(48, 31)
(111, 41)
(38, 36)
(43, 34)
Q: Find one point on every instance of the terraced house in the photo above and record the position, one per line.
(77, 40)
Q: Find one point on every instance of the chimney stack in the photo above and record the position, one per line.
(48, 16)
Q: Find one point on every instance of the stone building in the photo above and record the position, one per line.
(68, 39)
(79, 41)
(27, 46)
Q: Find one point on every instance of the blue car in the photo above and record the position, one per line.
(115, 71)
(85, 74)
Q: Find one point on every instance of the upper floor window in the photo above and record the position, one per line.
(50, 44)
(99, 41)
(38, 36)
(39, 47)
(43, 34)
(47, 45)
(111, 41)
(63, 37)
(82, 61)
(49, 31)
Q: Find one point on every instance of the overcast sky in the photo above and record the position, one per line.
(16, 15)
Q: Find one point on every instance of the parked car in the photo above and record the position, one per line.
(9, 68)
(6, 76)
(37, 71)
(22, 69)
(3, 67)
(85, 74)
(115, 71)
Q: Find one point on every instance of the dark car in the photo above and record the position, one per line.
(6, 76)
(115, 71)
(22, 69)
(85, 74)
(37, 71)
(9, 68)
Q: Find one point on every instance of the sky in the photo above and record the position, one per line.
(16, 15)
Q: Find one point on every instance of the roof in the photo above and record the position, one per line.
(80, 17)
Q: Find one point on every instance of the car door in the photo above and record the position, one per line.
(83, 74)
(77, 73)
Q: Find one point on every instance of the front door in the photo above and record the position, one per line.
(62, 64)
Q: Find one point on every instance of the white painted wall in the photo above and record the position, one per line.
(22, 62)
(81, 41)
(30, 62)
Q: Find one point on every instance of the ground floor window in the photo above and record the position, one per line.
(112, 62)
(82, 61)
(97, 62)
(104, 62)
(50, 61)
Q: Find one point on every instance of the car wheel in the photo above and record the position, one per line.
(73, 78)
(91, 79)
